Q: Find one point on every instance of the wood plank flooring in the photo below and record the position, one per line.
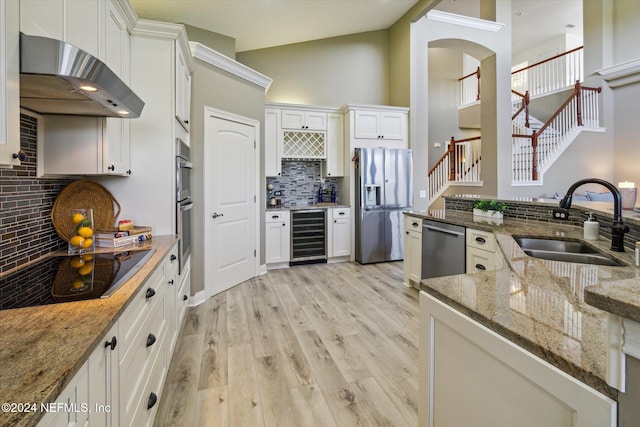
(313, 345)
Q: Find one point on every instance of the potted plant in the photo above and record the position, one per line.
(490, 208)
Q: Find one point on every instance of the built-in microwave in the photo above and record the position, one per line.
(184, 203)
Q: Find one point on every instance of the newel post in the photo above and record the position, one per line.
(578, 92)
(478, 74)
(534, 154)
(526, 109)
(452, 159)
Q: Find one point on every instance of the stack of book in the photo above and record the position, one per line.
(114, 238)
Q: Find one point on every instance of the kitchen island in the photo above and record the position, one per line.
(536, 304)
(42, 348)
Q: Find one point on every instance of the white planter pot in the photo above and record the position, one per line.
(490, 214)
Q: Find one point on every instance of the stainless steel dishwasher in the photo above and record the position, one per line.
(443, 249)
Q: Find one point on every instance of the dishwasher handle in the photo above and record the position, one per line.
(442, 230)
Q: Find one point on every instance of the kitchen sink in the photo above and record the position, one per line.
(564, 250)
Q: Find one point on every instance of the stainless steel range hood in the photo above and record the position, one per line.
(58, 78)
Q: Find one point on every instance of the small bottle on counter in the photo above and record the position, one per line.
(591, 228)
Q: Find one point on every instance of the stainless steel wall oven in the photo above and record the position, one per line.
(184, 203)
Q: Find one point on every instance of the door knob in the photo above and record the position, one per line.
(216, 215)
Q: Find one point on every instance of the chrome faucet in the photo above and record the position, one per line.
(617, 227)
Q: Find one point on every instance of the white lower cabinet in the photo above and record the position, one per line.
(121, 382)
(103, 381)
(72, 406)
(339, 233)
(412, 251)
(471, 376)
(483, 252)
(277, 239)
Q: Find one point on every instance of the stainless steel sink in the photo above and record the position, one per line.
(564, 250)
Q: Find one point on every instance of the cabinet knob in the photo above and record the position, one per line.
(406, 232)
(171, 282)
(112, 168)
(129, 172)
(21, 155)
(335, 220)
(153, 399)
(173, 257)
(480, 267)
(283, 224)
(111, 343)
(151, 340)
(184, 297)
(186, 122)
(150, 293)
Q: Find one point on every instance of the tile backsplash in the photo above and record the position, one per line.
(300, 183)
(26, 231)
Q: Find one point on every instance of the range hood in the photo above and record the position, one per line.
(58, 78)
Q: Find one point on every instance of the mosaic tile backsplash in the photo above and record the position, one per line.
(26, 231)
(300, 183)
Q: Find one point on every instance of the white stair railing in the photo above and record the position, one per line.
(459, 164)
(469, 88)
(552, 74)
(534, 150)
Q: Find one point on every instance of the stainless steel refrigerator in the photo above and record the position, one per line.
(384, 189)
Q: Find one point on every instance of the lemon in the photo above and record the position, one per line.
(85, 269)
(76, 262)
(87, 257)
(85, 232)
(76, 241)
(77, 218)
(77, 283)
(87, 243)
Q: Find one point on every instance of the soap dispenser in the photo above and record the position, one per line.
(591, 228)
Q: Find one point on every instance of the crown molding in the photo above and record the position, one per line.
(621, 74)
(465, 21)
(218, 60)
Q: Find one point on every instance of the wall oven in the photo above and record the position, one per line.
(184, 203)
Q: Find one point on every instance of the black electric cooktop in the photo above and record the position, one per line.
(67, 278)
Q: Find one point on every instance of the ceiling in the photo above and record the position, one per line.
(257, 24)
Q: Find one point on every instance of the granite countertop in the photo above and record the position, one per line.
(538, 304)
(43, 347)
(298, 208)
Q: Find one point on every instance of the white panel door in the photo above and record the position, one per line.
(230, 187)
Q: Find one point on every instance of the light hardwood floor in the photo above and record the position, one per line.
(313, 345)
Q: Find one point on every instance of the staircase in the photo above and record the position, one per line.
(535, 145)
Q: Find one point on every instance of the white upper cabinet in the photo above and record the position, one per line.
(183, 89)
(335, 146)
(272, 142)
(9, 83)
(380, 125)
(75, 22)
(304, 120)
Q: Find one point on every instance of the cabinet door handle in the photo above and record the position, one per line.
(171, 282)
(150, 293)
(173, 257)
(153, 399)
(151, 340)
(480, 267)
(184, 297)
(186, 122)
(415, 224)
(481, 240)
(275, 216)
(111, 343)
(340, 213)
